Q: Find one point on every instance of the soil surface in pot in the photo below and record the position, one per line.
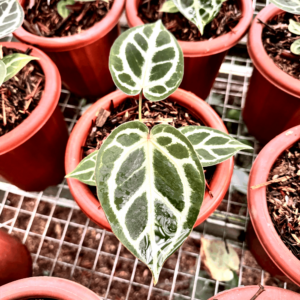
(284, 198)
(152, 113)
(183, 29)
(21, 94)
(43, 20)
(277, 41)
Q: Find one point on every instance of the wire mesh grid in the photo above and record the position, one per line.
(63, 242)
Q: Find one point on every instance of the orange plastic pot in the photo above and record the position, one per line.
(15, 259)
(197, 107)
(82, 59)
(32, 154)
(267, 235)
(247, 292)
(272, 103)
(46, 287)
(202, 60)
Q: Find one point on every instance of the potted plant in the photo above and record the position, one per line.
(77, 37)
(272, 102)
(46, 287)
(253, 293)
(270, 195)
(15, 259)
(33, 133)
(154, 201)
(204, 49)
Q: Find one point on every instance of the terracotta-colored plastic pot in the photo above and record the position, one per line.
(82, 59)
(247, 292)
(197, 107)
(32, 154)
(266, 233)
(272, 103)
(202, 60)
(15, 259)
(46, 287)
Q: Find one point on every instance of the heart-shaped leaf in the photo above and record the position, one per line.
(295, 47)
(151, 186)
(85, 171)
(291, 6)
(294, 27)
(147, 58)
(15, 62)
(2, 72)
(213, 146)
(199, 12)
(62, 7)
(11, 16)
(169, 7)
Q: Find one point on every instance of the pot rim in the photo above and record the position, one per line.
(41, 114)
(84, 197)
(202, 48)
(243, 292)
(261, 60)
(52, 287)
(60, 44)
(282, 257)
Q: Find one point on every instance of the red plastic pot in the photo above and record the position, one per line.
(15, 259)
(48, 287)
(32, 154)
(266, 233)
(202, 60)
(247, 292)
(272, 103)
(82, 59)
(197, 107)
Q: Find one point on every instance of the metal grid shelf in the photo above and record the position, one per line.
(63, 242)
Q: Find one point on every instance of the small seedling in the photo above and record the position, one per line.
(151, 184)
(199, 12)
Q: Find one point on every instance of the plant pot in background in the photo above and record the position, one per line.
(197, 107)
(82, 59)
(48, 287)
(202, 60)
(32, 154)
(15, 259)
(247, 292)
(263, 226)
(272, 103)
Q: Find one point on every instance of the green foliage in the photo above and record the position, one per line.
(2, 72)
(147, 58)
(295, 47)
(169, 7)
(294, 27)
(291, 6)
(11, 16)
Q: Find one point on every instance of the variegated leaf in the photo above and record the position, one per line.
(169, 7)
(199, 12)
(2, 72)
(291, 6)
(85, 171)
(295, 47)
(151, 186)
(294, 27)
(15, 62)
(147, 58)
(213, 146)
(11, 16)
(62, 9)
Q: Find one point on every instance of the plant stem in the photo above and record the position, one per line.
(140, 105)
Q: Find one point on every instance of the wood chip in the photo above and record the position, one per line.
(102, 117)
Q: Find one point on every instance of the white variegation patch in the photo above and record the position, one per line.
(291, 6)
(200, 12)
(151, 186)
(2, 71)
(85, 171)
(11, 16)
(147, 58)
(213, 146)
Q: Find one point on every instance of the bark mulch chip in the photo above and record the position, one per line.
(277, 41)
(43, 20)
(21, 94)
(183, 29)
(284, 198)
